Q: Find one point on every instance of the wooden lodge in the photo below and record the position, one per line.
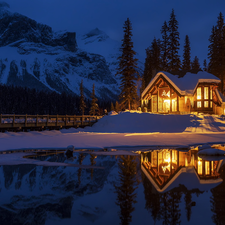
(167, 169)
(168, 93)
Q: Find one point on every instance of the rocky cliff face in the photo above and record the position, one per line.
(33, 55)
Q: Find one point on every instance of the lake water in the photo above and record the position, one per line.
(159, 187)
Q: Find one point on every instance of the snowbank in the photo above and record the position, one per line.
(127, 129)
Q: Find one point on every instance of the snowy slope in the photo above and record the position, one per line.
(32, 55)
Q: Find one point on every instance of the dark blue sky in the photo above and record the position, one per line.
(195, 17)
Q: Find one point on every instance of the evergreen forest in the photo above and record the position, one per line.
(20, 100)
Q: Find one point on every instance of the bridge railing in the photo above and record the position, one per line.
(23, 121)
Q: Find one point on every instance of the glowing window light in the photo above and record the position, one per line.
(199, 104)
(211, 105)
(210, 93)
(207, 169)
(206, 104)
(199, 93)
(199, 166)
(206, 93)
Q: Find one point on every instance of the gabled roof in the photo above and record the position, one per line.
(185, 85)
(220, 96)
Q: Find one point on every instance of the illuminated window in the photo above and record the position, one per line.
(207, 168)
(199, 93)
(206, 104)
(199, 104)
(199, 166)
(211, 104)
(210, 93)
(206, 93)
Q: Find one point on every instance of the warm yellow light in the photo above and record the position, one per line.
(167, 101)
(199, 94)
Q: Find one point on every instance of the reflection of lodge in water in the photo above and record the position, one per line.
(163, 167)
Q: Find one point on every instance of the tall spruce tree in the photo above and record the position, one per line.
(195, 65)
(173, 47)
(186, 64)
(94, 105)
(156, 54)
(127, 69)
(126, 187)
(216, 50)
(152, 61)
(82, 102)
(147, 75)
(205, 66)
(164, 46)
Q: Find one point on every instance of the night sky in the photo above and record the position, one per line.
(195, 17)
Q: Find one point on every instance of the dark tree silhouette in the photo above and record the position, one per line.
(164, 46)
(82, 102)
(127, 69)
(217, 200)
(195, 65)
(94, 105)
(186, 64)
(126, 195)
(147, 75)
(205, 66)
(80, 160)
(173, 56)
(152, 199)
(216, 50)
(152, 62)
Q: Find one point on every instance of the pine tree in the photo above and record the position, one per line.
(112, 107)
(216, 50)
(205, 66)
(147, 75)
(94, 105)
(82, 102)
(156, 54)
(195, 65)
(126, 187)
(173, 57)
(152, 62)
(164, 46)
(127, 69)
(117, 107)
(186, 64)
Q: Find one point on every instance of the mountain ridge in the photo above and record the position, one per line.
(33, 55)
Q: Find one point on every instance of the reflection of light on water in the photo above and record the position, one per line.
(167, 160)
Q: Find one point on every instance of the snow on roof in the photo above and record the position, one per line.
(187, 84)
(221, 96)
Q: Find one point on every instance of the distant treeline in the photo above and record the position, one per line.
(20, 100)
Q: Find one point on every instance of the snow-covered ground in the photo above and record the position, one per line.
(126, 129)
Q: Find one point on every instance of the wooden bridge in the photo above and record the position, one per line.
(43, 122)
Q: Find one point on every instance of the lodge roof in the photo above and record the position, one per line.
(186, 84)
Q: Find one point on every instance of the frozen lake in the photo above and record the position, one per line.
(157, 187)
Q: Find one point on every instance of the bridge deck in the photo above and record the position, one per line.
(42, 122)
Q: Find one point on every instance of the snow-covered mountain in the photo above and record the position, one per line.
(33, 55)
